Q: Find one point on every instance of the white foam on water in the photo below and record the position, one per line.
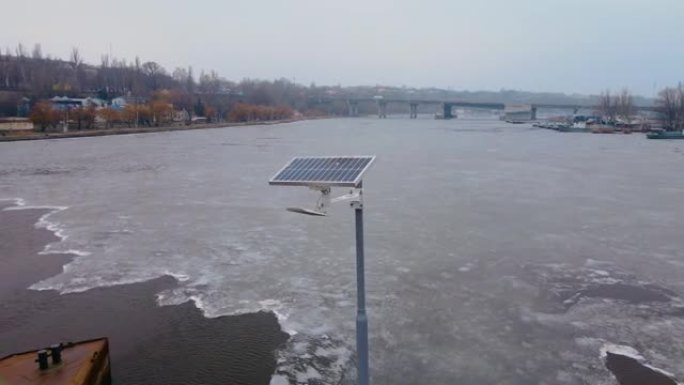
(279, 380)
(310, 374)
(178, 276)
(310, 354)
(301, 311)
(78, 253)
(663, 372)
(282, 314)
(607, 280)
(589, 341)
(45, 223)
(180, 295)
(622, 350)
(594, 262)
(309, 359)
(197, 300)
(16, 201)
(83, 284)
(77, 284)
(466, 268)
(282, 318)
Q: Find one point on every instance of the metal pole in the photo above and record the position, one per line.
(361, 319)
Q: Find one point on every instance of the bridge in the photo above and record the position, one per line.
(448, 105)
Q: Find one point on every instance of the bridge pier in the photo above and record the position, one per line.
(413, 114)
(447, 114)
(382, 109)
(353, 108)
(533, 113)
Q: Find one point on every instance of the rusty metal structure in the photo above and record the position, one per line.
(80, 363)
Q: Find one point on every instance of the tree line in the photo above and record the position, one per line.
(616, 107)
(39, 77)
(158, 111)
(668, 105)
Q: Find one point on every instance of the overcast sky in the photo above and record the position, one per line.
(572, 46)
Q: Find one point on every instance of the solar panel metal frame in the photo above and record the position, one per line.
(355, 183)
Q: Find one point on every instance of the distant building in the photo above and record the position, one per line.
(181, 116)
(23, 107)
(64, 103)
(121, 102)
(15, 124)
(517, 112)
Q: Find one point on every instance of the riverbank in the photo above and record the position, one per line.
(33, 135)
(148, 344)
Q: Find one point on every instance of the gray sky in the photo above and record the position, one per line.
(580, 46)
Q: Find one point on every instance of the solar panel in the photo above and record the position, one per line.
(323, 171)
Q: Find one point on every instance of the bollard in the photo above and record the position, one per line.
(42, 359)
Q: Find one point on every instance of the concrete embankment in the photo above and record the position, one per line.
(32, 135)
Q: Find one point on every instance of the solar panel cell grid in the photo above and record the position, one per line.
(334, 171)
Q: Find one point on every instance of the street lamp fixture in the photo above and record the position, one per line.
(321, 174)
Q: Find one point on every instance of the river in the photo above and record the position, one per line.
(495, 253)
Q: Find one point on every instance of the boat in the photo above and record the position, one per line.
(602, 129)
(560, 127)
(665, 135)
(79, 363)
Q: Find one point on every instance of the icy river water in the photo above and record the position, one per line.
(495, 253)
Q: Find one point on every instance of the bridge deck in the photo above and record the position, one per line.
(483, 105)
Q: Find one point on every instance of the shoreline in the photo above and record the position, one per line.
(140, 130)
(149, 344)
(23, 257)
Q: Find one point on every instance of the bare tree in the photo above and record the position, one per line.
(154, 72)
(624, 106)
(104, 61)
(607, 106)
(190, 84)
(209, 83)
(680, 109)
(151, 68)
(671, 107)
(21, 51)
(37, 52)
(180, 75)
(75, 58)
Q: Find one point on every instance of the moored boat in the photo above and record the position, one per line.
(602, 129)
(665, 135)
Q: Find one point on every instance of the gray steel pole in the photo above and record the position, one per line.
(361, 319)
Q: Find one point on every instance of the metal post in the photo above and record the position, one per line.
(361, 319)
(65, 128)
